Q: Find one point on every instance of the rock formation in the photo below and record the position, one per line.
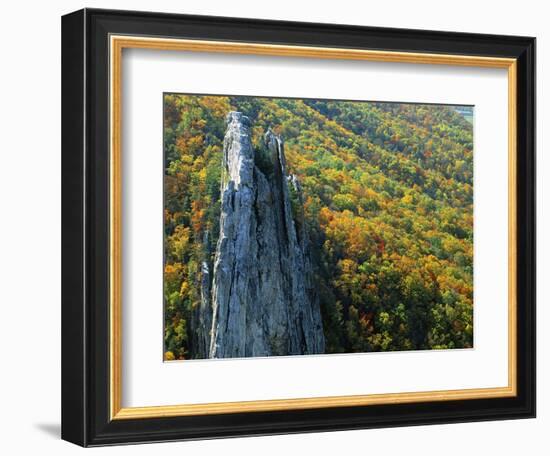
(263, 300)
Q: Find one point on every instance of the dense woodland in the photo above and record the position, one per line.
(388, 202)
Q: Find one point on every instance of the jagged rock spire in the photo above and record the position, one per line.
(238, 153)
(263, 299)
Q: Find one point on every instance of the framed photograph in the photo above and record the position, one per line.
(279, 227)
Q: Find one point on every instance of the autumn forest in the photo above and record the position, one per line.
(385, 203)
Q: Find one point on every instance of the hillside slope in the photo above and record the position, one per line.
(388, 205)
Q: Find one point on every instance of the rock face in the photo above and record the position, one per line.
(263, 300)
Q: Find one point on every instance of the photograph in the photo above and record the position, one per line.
(299, 226)
(289, 224)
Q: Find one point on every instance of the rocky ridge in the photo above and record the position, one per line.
(261, 299)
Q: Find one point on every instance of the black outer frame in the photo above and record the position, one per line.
(85, 227)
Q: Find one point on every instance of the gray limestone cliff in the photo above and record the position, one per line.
(262, 296)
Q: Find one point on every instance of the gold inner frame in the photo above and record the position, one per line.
(117, 44)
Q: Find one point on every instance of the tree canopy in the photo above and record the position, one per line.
(388, 204)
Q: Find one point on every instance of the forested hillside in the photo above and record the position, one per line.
(388, 202)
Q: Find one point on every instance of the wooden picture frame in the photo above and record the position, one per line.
(92, 45)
